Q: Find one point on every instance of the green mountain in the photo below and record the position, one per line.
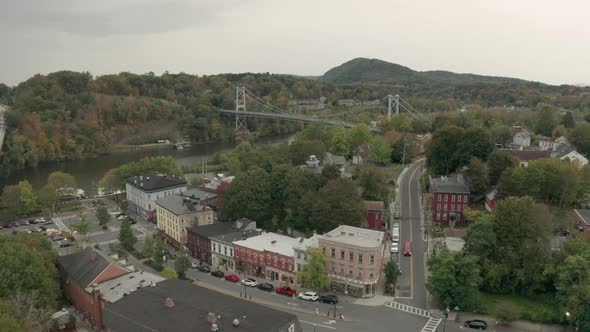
(363, 70)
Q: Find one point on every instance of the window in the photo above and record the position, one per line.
(225, 251)
(372, 259)
(298, 267)
(324, 251)
(360, 258)
(459, 198)
(304, 256)
(453, 198)
(359, 274)
(341, 269)
(446, 198)
(465, 198)
(438, 216)
(351, 256)
(452, 207)
(444, 216)
(371, 275)
(445, 207)
(438, 206)
(342, 254)
(298, 255)
(333, 252)
(439, 197)
(213, 246)
(231, 252)
(332, 268)
(458, 207)
(350, 272)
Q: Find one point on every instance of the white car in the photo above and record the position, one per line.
(394, 247)
(309, 296)
(195, 265)
(249, 282)
(40, 220)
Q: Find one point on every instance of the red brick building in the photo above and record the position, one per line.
(82, 271)
(374, 215)
(450, 196)
(582, 221)
(491, 198)
(268, 256)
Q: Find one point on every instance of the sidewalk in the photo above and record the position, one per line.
(520, 325)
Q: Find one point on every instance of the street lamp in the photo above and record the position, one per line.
(567, 319)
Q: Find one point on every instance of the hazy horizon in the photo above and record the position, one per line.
(502, 38)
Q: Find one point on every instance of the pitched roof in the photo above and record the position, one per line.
(449, 184)
(189, 308)
(155, 181)
(199, 193)
(583, 214)
(374, 205)
(235, 236)
(526, 155)
(331, 159)
(212, 229)
(179, 204)
(85, 266)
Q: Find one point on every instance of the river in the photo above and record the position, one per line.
(89, 171)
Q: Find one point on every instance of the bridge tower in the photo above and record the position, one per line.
(392, 101)
(240, 107)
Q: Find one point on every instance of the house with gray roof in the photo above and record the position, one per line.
(222, 248)
(143, 190)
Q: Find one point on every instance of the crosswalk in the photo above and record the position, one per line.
(111, 229)
(408, 308)
(102, 243)
(432, 324)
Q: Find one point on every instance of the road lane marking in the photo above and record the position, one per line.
(431, 324)
(408, 308)
(317, 324)
(411, 238)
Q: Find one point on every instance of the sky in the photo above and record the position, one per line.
(539, 40)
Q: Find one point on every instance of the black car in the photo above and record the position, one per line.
(331, 299)
(43, 228)
(33, 222)
(218, 274)
(564, 232)
(266, 287)
(58, 238)
(476, 324)
(206, 269)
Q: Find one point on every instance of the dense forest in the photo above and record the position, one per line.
(70, 115)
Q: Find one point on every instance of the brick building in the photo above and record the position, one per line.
(450, 196)
(582, 221)
(268, 256)
(373, 215)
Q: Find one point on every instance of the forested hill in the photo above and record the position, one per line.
(363, 70)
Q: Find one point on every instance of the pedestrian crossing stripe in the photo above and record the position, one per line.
(408, 308)
(431, 325)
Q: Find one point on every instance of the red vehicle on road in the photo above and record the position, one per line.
(232, 278)
(286, 290)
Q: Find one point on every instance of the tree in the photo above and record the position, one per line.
(249, 195)
(454, 279)
(300, 150)
(402, 151)
(148, 247)
(337, 203)
(392, 272)
(475, 142)
(158, 254)
(48, 197)
(126, 236)
(103, 216)
(358, 134)
(313, 274)
(545, 119)
(498, 162)
(380, 150)
(568, 120)
(181, 264)
(10, 201)
(168, 273)
(28, 203)
(330, 172)
(444, 153)
(476, 171)
(481, 238)
(572, 280)
(580, 138)
(61, 182)
(339, 144)
(82, 226)
(373, 183)
(502, 135)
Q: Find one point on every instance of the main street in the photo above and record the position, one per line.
(411, 284)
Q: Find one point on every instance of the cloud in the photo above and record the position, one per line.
(110, 17)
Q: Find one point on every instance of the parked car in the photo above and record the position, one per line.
(394, 248)
(7, 225)
(396, 214)
(121, 217)
(331, 299)
(308, 296)
(218, 274)
(564, 232)
(23, 222)
(65, 244)
(476, 324)
(408, 248)
(249, 282)
(204, 268)
(33, 222)
(43, 228)
(232, 278)
(286, 290)
(132, 221)
(195, 265)
(266, 287)
(40, 220)
(58, 238)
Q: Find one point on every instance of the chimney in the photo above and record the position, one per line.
(169, 303)
(141, 177)
(273, 243)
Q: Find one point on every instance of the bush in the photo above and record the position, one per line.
(507, 314)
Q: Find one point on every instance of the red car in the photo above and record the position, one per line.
(286, 290)
(232, 278)
(7, 225)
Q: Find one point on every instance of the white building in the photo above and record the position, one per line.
(301, 250)
(222, 247)
(143, 191)
(577, 158)
(545, 143)
(523, 139)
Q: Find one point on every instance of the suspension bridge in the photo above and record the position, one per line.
(264, 109)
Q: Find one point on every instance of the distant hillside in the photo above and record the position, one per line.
(363, 70)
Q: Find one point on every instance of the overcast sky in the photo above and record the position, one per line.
(547, 41)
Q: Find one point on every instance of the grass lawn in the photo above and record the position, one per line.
(540, 309)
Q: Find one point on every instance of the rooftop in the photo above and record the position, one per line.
(155, 181)
(310, 242)
(331, 159)
(272, 242)
(212, 229)
(526, 155)
(115, 289)
(180, 205)
(449, 184)
(374, 205)
(584, 214)
(177, 305)
(356, 236)
(198, 193)
(235, 236)
(86, 265)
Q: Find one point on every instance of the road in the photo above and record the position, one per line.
(412, 288)
(2, 126)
